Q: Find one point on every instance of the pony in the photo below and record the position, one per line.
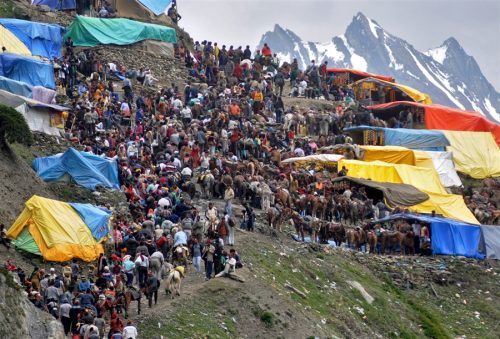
(173, 281)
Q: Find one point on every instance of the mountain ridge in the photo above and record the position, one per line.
(447, 73)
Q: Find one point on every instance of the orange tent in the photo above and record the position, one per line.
(360, 74)
(444, 118)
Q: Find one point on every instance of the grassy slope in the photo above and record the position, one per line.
(264, 307)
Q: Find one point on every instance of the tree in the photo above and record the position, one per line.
(13, 127)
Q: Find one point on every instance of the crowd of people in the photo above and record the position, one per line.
(226, 131)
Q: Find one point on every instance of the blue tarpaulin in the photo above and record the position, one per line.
(158, 7)
(448, 236)
(56, 4)
(16, 87)
(96, 219)
(410, 138)
(41, 39)
(28, 70)
(85, 169)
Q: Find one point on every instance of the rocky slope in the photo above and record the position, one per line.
(447, 73)
(19, 318)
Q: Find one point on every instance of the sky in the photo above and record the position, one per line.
(425, 23)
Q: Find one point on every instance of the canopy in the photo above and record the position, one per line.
(12, 43)
(158, 7)
(442, 117)
(42, 39)
(474, 153)
(91, 32)
(442, 162)
(57, 230)
(491, 241)
(96, 219)
(360, 73)
(330, 159)
(391, 154)
(28, 70)
(40, 117)
(16, 87)
(417, 96)
(424, 179)
(449, 237)
(409, 138)
(394, 194)
(85, 169)
(56, 4)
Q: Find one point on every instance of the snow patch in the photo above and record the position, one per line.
(489, 107)
(357, 61)
(412, 75)
(373, 27)
(475, 107)
(438, 54)
(284, 57)
(434, 81)
(330, 51)
(393, 62)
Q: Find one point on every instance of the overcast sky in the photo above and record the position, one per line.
(424, 23)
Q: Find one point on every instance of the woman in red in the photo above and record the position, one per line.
(195, 155)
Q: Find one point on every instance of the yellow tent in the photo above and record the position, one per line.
(57, 229)
(391, 154)
(474, 153)
(417, 96)
(12, 43)
(424, 179)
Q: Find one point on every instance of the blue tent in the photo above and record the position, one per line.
(158, 7)
(448, 236)
(56, 4)
(41, 39)
(28, 70)
(410, 138)
(16, 87)
(85, 169)
(97, 219)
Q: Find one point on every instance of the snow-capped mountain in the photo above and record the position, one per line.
(447, 73)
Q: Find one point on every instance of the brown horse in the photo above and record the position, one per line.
(408, 243)
(283, 197)
(389, 240)
(124, 299)
(335, 231)
(275, 218)
(372, 241)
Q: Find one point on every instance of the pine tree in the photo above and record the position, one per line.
(13, 127)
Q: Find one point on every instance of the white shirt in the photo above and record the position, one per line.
(177, 163)
(129, 332)
(177, 103)
(186, 113)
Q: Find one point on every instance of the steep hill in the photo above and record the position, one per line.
(447, 73)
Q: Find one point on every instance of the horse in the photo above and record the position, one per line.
(173, 282)
(335, 231)
(372, 241)
(274, 218)
(207, 185)
(389, 240)
(408, 243)
(124, 299)
(155, 266)
(180, 256)
(190, 188)
(283, 197)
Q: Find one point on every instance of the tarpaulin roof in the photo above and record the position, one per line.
(360, 73)
(474, 153)
(14, 100)
(315, 158)
(449, 237)
(445, 118)
(442, 162)
(56, 4)
(57, 229)
(391, 154)
(490, 241)
(417, 96)
(85, 169)
(91, 32)
(394, 194)
(424, 179)
(16, 87)
(12, 43)
(409, 138)
(28, 70)
(96, 219)
(158, 7)
(42, 39)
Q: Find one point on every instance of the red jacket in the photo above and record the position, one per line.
(266, 51)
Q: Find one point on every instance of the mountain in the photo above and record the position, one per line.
(447, 73)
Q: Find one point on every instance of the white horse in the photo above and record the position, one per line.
(173, 282)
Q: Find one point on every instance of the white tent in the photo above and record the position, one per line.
(39, 116)
(315, 158)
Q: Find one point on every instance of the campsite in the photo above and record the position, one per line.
(154, 185)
